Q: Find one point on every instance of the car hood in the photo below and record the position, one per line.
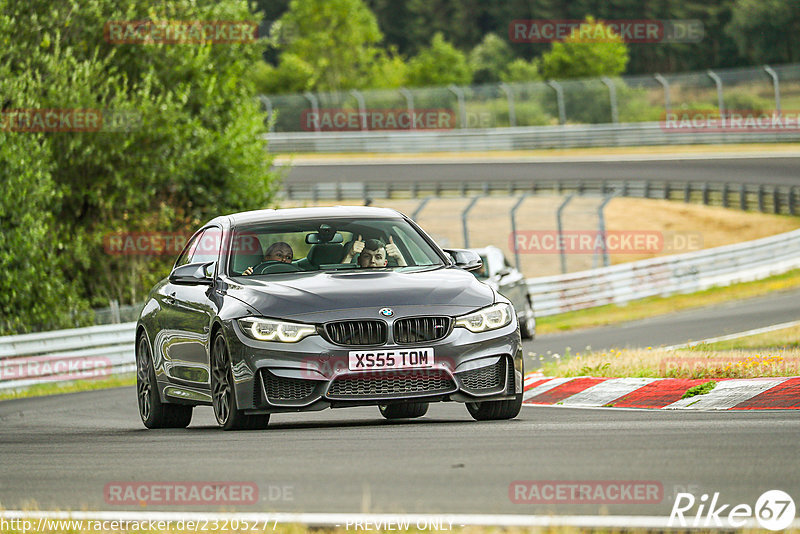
(326, 296)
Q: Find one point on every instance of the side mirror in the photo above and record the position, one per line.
(193, 274)
(505, 271)
(465, 259)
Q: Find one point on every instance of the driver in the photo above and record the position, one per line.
(279, 251)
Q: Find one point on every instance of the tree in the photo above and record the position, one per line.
(189, 147)
(490, 59)
(439, 64)
(338, 39)
(520, 70)
(589, 51)
(766, 31)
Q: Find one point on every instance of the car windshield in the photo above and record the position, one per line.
(329, 244)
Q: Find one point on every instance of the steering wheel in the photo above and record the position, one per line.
(264, 265)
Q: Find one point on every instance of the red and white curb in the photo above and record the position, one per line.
(780, 393)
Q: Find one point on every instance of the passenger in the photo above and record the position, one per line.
(279, 251)
(374, 253)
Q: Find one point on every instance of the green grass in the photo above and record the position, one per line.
(699, 389)
(653, 306)
(70, 387)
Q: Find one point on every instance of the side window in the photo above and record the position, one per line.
(208, 246)
(189, 251)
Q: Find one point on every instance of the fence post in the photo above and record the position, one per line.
(314, 107)
(665, 84)
(514, 229)
(743, 197)
(362, 108)
(687, 192)
(419, 208)
(667, 189)
(462, 111)
(464, 215)
(409, 96)
(776, 201)
(791, 200)
(560, 226)
(512, 115)
(725, 195)
(562, 112)
(646, 192)
(601, 226)
(705, 193)
(761, 198)
(720, 97)
(268, 105)
(612, 97)
(776, 84)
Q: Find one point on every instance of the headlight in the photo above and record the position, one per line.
(271, 330)
(491, 318)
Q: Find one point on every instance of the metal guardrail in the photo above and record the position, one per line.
(66, 355)
(525, 138)
(681, 273)
(100, 351)
(764, 198)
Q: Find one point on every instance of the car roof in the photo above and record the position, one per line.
(287, 214)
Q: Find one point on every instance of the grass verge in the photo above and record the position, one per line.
(764, 355)
(653, 306)
(70, 387)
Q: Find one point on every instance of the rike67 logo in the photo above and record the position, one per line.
(774, 510)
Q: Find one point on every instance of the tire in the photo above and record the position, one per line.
(223, 394)
(154, 413)
(495, 410)
(527, 322)
(407, 410)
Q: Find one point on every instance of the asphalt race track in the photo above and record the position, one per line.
(767, 170)
(675, 328)
(62, 451)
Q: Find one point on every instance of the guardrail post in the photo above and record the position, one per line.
(388, 189)
(314, 107)
(338, 191)
(776, 85)
(409, 104)
(687, 192)
(667, 189)
(561, 251)
(414, 189)
(562, 112)
(725, 195)
(514, 229)
(705, 193)
(420, 207)
(464, 215)
(646, 192)
(665, 84)
(485, 188)
(512, 114)
(720, 97)
(761, 198)
(462, 110)
(612, 97)
(268, 105)
(625, 188)
(362, 108)
(314, 192)
(792, 200)
(743, 197)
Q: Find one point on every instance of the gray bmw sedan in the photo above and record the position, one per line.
(311, 308)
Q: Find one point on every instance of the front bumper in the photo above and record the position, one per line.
(313, 374)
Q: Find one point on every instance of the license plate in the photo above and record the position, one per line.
(416, 358)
